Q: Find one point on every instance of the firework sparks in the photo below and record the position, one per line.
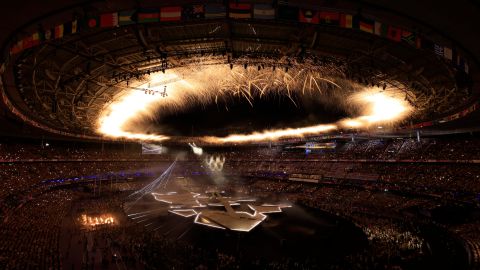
(380, 106)
(113, 121)
(272, 135)
(218, 83)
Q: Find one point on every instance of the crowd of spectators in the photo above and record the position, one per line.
(38, 222)
(29, 236)
(394, 236)
(446, 149)
(436, 148)
(444, 179)
(11, 152)
(347, 181)
(136, 247)
(20, 177)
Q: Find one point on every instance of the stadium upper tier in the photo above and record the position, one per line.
(94, 70)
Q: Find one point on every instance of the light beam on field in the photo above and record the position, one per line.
(159, 182)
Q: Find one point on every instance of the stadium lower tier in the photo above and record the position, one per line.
(72, 215)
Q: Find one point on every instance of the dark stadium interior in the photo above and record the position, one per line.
(269, 134)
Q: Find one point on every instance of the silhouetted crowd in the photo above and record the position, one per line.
(373, 183)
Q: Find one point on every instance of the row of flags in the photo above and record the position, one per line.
(448, 118)
(36, 38)
(244, 11)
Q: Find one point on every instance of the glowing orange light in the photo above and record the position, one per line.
(190, 85)
(92, 221)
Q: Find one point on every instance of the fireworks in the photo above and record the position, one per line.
(97, 220)
(377, 107)
(380, 106)
(196, 150)
(192, 85)
(272, 135)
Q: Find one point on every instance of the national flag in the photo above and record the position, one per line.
(447, 53)
(240, 10)
(27, 42)
(109, 19)
(74, 26)
(418, 42)
(70, 27)
(148, 15)
(330, 18)
(346, 20)
(366, 25)
(263, 11)
(17, 47)
(126, 17)
(215, 11)
(394, 33)
(460, 62)
(427, 124)
(170, 14)
(193, 12)
(58, 31)
(381, 29)
(438, 49)
(92, 21)
(408, 37)
(308, 16)
(46, 34)
(287, 13)
(35, 39)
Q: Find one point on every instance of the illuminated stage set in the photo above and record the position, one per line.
(212, 208)
(194, 204)
(266, 226)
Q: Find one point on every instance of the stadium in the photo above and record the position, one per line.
(268, 134)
